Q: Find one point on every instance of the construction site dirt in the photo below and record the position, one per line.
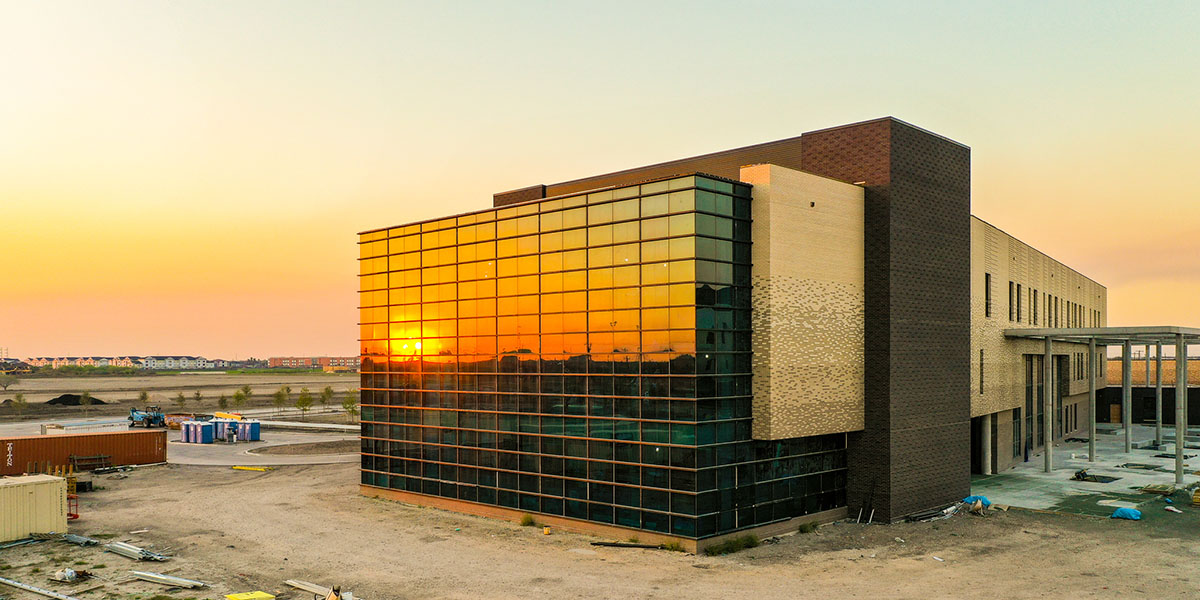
(249, 530)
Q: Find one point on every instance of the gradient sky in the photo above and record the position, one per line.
(188, 177)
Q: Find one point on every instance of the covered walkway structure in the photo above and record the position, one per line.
(1126, 337)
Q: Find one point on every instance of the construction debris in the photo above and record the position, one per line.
(312, 588)
(168, 579)
(1159, 488)
(1083, 475)
(1173, 509)
(626, 545)
(250, 596)
(71, 575)
(80, 540)
(131, 551)
(28, 540)
(35, 590)
(245, 468)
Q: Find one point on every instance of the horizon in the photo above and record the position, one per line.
(194, 175)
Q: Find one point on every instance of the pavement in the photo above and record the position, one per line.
(1028, 486)
(240, 453)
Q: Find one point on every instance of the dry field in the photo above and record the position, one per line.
(244, 531)
(120, 393)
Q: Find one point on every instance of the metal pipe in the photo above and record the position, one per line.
(1127, 394)
(36, 590)
(1092, 400)
(1180, 400)
(168, 579)
(1047, 406)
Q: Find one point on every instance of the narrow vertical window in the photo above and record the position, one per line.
(1018, 303)
(981, 371)
(1033, 303)
(987, 294)
(1010, 301)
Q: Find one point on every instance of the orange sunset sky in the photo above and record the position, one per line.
(188, 177)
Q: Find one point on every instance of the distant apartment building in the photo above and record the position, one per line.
(175, 362)
(126, 361)
(327, 363)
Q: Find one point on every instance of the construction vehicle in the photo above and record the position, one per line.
(152, 416)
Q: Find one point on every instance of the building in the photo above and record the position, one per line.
(327, 363)
(171, 363)
(727, 343)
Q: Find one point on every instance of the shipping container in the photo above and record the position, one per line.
(135, 447)
(84, 427)
(32, 504)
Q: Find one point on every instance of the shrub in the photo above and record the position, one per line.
(528, 521)
(732, 545)
(673, 547)
(808, 527)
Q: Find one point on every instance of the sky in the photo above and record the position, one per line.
(189, 177)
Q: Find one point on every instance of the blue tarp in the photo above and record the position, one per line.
(972, 499)
(1132, 514)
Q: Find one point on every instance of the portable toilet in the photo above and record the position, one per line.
(205, 433)
(249, 431)
(221, 426)
(186, 431)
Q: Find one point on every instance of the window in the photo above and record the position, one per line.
(1016, 433)
(1010, 301)
(1033, 295)
(1018, 303)
(987, 294)
(981, 371)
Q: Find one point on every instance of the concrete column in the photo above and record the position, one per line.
(1091, 371)
(986, 439)
(1186, 416)
(1180, 393)
(1158, 394)
(1127, 394)
(1048, 405)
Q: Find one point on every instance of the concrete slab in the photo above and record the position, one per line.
(1027, 486)
(239, 453)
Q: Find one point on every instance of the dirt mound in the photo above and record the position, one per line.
(72, 400)
(335, 447)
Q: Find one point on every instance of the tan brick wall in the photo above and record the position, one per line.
(1008, 259)
(808, 303)
(1138, 370)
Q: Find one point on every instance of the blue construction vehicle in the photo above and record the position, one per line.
(152, 416)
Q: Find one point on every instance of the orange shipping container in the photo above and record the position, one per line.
(18, 454)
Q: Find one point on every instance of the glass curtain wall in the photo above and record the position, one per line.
(585, 356)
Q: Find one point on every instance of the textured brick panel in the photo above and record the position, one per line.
(533, 192)
(1007, 259)
(1138, 370)
(727, 163)
(913, 453)
(807, 295)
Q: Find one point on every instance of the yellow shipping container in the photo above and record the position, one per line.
(32, 504)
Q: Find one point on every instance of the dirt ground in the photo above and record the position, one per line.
(244, 531)
(120, 393)
(335, 447)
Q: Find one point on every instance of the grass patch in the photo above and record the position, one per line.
(808, 527)
(528, 521)
(36, 570)
(99, 566)
(104, 536)
(633, 540)
(732, 545)
(673, 547)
